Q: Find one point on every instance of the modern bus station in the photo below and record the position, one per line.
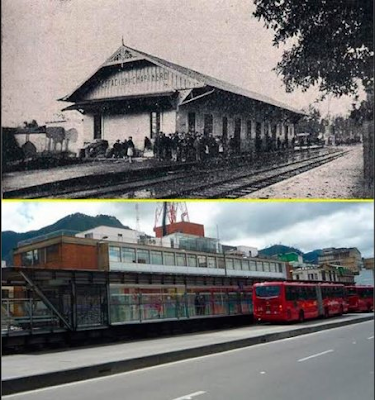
(67, 286)
(108, 276)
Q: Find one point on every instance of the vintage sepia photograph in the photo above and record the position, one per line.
(220, 99)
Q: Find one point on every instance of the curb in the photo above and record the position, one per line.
(16, 385)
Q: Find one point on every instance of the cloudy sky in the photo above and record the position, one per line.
(307, 226)
(51, 46)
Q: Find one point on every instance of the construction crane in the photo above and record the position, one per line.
(170, 210)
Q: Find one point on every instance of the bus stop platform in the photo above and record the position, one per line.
(22, 372)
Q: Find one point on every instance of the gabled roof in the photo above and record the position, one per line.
(125, 54)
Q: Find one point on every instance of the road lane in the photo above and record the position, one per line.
(315, 355)
(262, 372)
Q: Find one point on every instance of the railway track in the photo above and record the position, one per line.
(211, 182)
(232, 185)
(237, 188)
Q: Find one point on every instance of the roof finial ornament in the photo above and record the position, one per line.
(122, 40)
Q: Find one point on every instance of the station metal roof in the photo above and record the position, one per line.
(118, 57)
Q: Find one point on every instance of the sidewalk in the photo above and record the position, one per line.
(30, 371)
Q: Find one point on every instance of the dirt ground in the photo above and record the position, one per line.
(339, 179)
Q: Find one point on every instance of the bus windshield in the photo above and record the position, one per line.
(267, 291)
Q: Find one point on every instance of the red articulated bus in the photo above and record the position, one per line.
(333, 298)
(296, 301)
(360, 298)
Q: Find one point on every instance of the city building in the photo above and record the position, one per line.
(324, 272)
(137, 94)
(368, 263)
(111, 233)
(347, 257)
(115, 249)
(180, 227)
(291, 258)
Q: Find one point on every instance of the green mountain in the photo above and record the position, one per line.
(279, 249)
(80, 222)
(75, 222)
(310, 257)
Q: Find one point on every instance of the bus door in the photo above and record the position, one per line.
(352, 298)
(320, 301)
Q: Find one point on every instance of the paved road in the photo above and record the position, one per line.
(335, 364)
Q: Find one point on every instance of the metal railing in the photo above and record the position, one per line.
(61, 232)
(26, 316)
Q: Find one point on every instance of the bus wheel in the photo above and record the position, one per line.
(301, 316)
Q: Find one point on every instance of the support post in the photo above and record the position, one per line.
(46, 301)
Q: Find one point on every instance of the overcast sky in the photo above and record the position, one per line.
(307, 226)
(51, 46)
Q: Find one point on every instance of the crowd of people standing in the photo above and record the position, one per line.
(124, 149)
(188, 147)
(191, 146)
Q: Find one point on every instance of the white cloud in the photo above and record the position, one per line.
(307, 226)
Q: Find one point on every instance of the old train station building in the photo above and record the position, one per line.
(139, 95)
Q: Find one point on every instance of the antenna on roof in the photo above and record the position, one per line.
(122, 40)
(137, 217)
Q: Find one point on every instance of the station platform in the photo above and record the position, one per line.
(91, 171)
(24, 179)
(22, 372)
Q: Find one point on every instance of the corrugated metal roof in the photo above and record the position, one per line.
(204, 79)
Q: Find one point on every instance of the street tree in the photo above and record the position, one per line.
(311, 122)
(330, 42)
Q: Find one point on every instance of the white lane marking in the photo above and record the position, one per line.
(140, 370)
(315, 355)
(262, 372)
(371, 337)
(354, 342)
(190, 396)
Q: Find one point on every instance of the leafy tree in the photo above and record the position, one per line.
(33, 125)
(332, 42)
(364, 112)
(344, 130)
(311, 123)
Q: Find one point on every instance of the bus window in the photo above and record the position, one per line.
(291, 293)
(351, 291)
(267, 291)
